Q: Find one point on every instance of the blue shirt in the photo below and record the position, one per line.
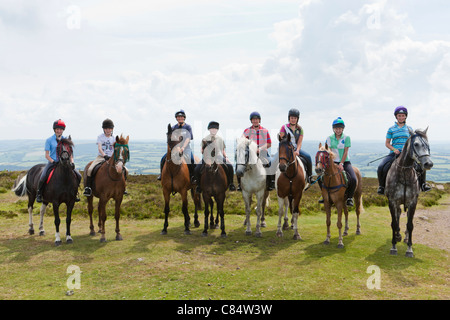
(398, 136)
(50, 145)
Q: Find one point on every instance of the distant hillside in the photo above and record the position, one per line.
(146, 155)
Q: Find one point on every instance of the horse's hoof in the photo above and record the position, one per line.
(358, 232)
(223, 235)
(58, 243)
(340, 246)
(164, 232)
(327, 242)
(187, 232)
(92, 233)
(393, 252)
(248, 233)
(69, 241)
(31, 232)
(204, 234)
(280, 234)
(345, 233)
(119, 237)
(258, 235)
(102, 240)
(42, 233)
(409, 254)
(297, 237)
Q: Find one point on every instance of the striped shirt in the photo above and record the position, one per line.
(260, 136)
(398, 136)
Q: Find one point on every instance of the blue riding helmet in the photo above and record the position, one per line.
(180, 113)
(338, 123)
(255, 114)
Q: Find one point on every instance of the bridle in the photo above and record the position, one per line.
(291, 160)
(323, 157)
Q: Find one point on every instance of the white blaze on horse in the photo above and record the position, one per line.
(402, 185)
(250, 169)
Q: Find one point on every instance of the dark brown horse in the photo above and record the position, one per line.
(175, 177)
(109, 183)
(62, 187)
(290, 183)
(402, 185)
(333, 191)
(214, 184)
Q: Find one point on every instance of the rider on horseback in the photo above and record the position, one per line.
(340, 144)
(105, 145)
(396, 138)
(217, 148)
(296, 132)
(50, 154)
(262, 139)
(183, 130)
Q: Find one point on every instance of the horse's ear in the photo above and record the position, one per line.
(425, 131)
(117, 139)
(326, 146)
(169, 128)
(320, 145)
(288, 138)
(128, 139)
(279, 137)
(70, 137)
(411, 132)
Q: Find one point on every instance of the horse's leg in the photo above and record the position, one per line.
(216, 221)
(358, 203)
(118, 202)
(410, 227)
(339, 208)
(212, 224)
(196, 200)
(90, 211)
(69, 239)
(30, 220)
(41, 223)
(346, 220)
(248, 203)
(102, 218)
(220, 201)
(327, 206)
(393, 208)
(259, 210)
(57, 223)
(166, 211)
(286, 217)
(206, 200)
(263, 218)
(281, 210)
(295, 215)
(184, 209)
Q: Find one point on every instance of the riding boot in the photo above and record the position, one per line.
(230, 174)
(197, 177)
(88, 189)
(39, 191)
(424, 186)
(270, 182)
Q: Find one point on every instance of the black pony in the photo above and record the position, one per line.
(61, 187)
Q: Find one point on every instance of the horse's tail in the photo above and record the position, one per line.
(20, 187)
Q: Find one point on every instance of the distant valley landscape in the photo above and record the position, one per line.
(18, 155)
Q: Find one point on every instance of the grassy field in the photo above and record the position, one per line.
(147, 265)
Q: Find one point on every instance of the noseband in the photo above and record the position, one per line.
(289, 148)
(323, 158)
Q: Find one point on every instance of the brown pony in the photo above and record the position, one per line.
(175, 177)
(333, 191)
(214, 184)
(290, 183)
(109, 182)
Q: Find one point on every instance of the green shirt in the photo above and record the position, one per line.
(338, 146)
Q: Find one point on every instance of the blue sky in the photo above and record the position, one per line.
(138, 62)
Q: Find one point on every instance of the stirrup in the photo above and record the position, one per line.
(87, 192)
(39, 198)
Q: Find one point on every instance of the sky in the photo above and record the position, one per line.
(138, 62)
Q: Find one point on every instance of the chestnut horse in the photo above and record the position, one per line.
(175, 177)
(334, 191)
(109, 182)
(62, 187)
(214, 184)
(290, 183)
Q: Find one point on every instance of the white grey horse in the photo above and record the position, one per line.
(250, 169)
(402, 186)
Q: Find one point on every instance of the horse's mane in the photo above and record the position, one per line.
(421, 132)
(67, 141)
(243, 141)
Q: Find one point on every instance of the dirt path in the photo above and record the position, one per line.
(431, 227)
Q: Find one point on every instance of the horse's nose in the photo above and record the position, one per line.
(318, 170)
(283, 167)
(428, 165)
(239, 173)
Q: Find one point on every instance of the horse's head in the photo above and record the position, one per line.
(323, 157)
(420, 149)
(121, 152)
(64, 150)
(245, 155)
(174, 140)
(285, 152)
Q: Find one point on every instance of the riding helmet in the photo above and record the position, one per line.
(180, 113)
(400, 109)
(213, 125)
(108, 124)
(294, 113)
(255, 114)
(338, 123)
(59, 124)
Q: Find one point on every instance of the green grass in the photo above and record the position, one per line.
(147, 265)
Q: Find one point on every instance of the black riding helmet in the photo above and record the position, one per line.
(294, 113)
(108, 124)
(213, 125)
